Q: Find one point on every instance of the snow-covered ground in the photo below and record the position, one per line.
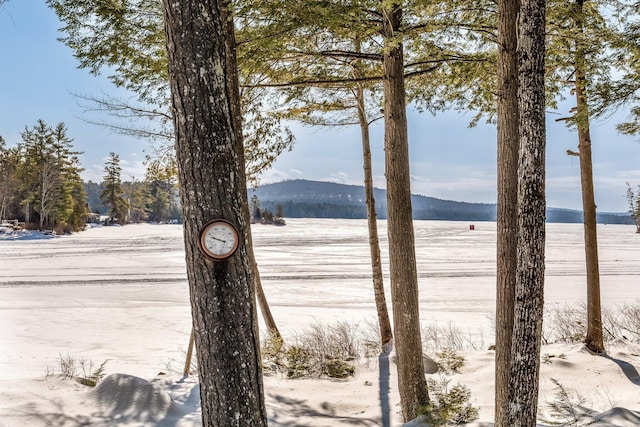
(120, 294)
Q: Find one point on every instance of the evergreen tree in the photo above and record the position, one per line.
(634, 205)
(36, 172)
(127, 39)
(582, 36)
(71, 210)
(41, 179)
(625, 91)
(159, 206)
(266, 216)
(112, 193)
(9, 159)
(161, 188)
(49, 175)
(137, 195)
(279, 211)
(254, 208)
(93, 191)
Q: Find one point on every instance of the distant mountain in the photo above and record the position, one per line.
(315, 199)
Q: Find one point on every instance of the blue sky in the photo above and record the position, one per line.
(39, 77)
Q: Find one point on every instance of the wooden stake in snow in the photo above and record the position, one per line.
(187, 362)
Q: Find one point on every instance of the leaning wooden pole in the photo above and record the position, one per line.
(187, 362)
(266, 315)
(272, 328)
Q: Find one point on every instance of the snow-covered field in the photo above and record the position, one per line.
(120, 294)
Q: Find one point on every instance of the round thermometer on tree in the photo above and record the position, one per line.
(218, 239)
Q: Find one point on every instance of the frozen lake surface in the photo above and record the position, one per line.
(120, 294)
(313, 270)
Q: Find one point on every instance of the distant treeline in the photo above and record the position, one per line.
(41, 185)
(317, 210)
(154, 200)
(313, 199)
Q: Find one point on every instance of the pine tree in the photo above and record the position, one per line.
(583, 35)
(161, 187)
(127, 39)
(254, 208)
(71, 211)
(634, 205)
(9, 159)
(112, 192)
(35, 170)
(137, 200)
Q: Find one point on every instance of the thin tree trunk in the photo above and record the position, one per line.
(384, 323)
(594, 340)
(402, 259)
(210, 161)
(529, 292)
(44, 170)
(232, 71)
(507, 215)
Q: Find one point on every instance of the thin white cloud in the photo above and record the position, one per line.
(93, 173)
(468, 189)
(274, 175)
(567, 182)
(134, 168)
(629, 175)
(339, 177)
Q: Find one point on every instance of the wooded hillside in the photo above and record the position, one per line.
(314, 199)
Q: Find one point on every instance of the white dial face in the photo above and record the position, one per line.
(219, 239)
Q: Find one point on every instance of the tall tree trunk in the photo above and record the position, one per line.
(402, 259)
(507, 215)
(594, 340)
(527, 328)
(386, 334)
(212, 182)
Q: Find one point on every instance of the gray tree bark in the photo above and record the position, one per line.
(529, 291)
(507, 214)
(527, 331)
(402, 260)
(203, 80)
